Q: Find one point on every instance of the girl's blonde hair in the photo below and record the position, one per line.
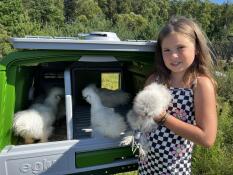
(202, 64)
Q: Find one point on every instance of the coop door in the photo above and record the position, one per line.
(104, 73)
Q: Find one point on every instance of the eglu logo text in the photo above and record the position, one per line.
(36, 167)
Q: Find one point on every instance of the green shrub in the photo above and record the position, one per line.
(225, 84)
(5, 46)
(218, 159)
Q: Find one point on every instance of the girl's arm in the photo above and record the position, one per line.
(204, 132)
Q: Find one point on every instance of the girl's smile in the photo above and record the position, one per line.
(175, 64)
(178, 52)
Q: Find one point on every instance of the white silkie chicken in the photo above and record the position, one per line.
(111, 98)
(35, 123)
(103, 119)
(148, 103)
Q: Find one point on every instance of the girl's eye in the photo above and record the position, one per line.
(166, 50)
(180, 47)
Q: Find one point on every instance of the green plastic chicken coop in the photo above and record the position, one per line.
(41, 62)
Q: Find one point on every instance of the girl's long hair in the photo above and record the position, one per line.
(202, 64)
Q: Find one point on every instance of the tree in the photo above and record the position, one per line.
(5, 46)
(130, 23)
(45, 11)
(156, 12)
(87, 8)
(124, 6)
(69, 11)
(221, 24)
(13, 17)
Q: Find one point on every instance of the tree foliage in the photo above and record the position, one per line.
(13, 17)
(4, 44)
(45, 11)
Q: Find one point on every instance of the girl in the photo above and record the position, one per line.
(182, 63)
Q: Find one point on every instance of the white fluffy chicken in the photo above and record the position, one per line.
(111, 98)
(149, 103)
(35, 123)
(103, 119)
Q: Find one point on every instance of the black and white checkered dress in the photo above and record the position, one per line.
(170, 154)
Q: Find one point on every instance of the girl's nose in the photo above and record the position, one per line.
(174, 54)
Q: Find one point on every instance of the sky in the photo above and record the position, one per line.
(221, 1)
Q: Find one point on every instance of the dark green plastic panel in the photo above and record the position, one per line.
(112, 170)
(22, 86)
(92, 158)
(40, 56)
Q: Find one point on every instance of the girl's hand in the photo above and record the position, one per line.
(160, 117)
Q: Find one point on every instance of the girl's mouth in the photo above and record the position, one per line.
(177, 63)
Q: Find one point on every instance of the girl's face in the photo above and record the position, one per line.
(178, 52)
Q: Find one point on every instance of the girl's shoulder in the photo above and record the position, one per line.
(150, 79)
(203, 84)
(203, 81)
